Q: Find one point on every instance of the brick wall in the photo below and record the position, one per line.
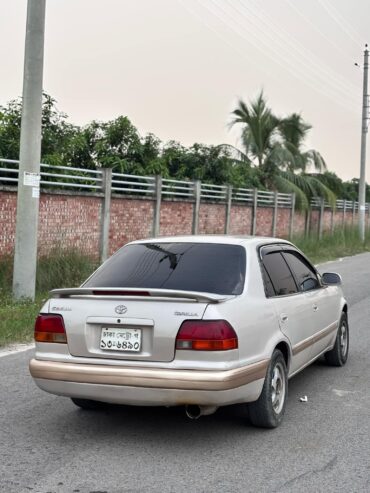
(264, 221)
(8, 204)
(130, 220)
(176, 218)
(72, 220)
(240, 220)
(212, 219)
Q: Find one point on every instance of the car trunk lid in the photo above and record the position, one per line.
(149, 319)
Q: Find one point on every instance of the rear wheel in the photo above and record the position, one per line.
(88, 404)
(268, 410)
(339, 354)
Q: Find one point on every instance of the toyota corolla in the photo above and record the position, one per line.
(197, 321)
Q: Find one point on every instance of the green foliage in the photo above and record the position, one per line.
(343, 242)
(273, 154)
(17, 320)
(56, 131)
(62, 269)
(57, 270)
(276, 146)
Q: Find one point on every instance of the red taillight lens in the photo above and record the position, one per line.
(50, 328)
(206, 335)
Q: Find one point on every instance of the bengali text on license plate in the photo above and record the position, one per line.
(117, 339)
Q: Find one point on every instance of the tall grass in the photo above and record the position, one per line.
(341, 243)
(59, 269)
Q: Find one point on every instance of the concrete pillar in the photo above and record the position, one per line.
(25, 252)
(228, 208)
(157, 206)
(105, 213)
(307, 223)
(332, 220)
(196, 206)
(292, 212)
(321, 217)
(353, 211)
(254, 212)
(274, 217)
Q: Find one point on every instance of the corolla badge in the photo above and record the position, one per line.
(120, 309)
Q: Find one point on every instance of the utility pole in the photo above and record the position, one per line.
(25, 256)
(362, 184)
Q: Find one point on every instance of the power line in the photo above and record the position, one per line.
(314, 26)
(263, 41)
(300, 53)
(342, 23)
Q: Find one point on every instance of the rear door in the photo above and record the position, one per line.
(324, 302)
(291, 307)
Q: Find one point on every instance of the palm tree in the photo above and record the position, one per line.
(276, 146)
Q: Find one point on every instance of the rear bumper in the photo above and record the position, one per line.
(148, 377)
(150, 386)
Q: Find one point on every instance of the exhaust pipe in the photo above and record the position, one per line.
(193, 411)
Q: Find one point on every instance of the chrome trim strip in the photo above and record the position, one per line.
(301, 346)
(149, 377)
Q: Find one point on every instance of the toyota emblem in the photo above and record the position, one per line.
(120, 309)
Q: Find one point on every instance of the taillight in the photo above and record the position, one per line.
(50, 328)
(206, 335)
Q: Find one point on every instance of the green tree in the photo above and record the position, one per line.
(56, 131)
(276, 146)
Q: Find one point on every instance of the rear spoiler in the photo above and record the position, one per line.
(138, 293)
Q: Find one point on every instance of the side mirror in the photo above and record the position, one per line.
(331, 278)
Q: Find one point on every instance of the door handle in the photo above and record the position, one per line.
(315, 308)
(283, 317)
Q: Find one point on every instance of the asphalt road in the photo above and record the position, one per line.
(48, 445)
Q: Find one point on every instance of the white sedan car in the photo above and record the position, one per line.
(199, 321)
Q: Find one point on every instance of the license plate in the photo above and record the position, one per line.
(117, 339)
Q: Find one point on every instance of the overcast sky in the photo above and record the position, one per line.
(177, 67)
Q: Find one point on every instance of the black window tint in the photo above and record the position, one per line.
(279, 273)
(305, 275)
(269, 288)
(205, 267)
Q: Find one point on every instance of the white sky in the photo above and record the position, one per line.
(177, 67)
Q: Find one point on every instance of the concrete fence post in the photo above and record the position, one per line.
(254, 212)
(105, 213)
(157, 206)
(274, 217)
(196, 207)
(344, 214)
(353, 211)
(321, 217)
(332, 220)
(228, 208)
(292, 213)
(307, 222)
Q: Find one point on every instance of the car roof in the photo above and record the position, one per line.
(221, 239)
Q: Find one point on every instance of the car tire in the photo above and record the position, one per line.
(339, 354)
(268, 410)
(88, 404)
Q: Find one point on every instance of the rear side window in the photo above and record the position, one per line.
(278, 275)
(204, 267)
(304, 273)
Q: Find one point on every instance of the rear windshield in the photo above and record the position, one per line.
(204, 267)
